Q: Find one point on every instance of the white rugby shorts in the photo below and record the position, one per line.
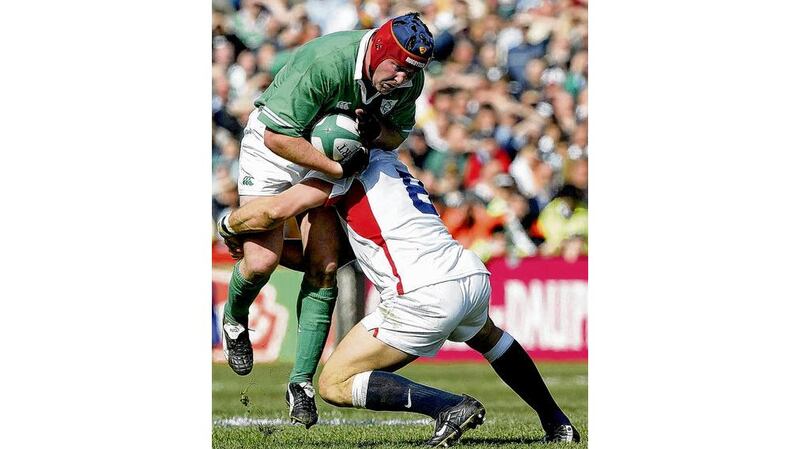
(262, 172)
(420, 321)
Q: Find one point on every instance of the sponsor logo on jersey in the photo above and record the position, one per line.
(343, 105)
(387, 105)
(247, 181)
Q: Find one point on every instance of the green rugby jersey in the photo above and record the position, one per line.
(324, 76)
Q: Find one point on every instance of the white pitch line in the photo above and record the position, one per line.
(243, 421)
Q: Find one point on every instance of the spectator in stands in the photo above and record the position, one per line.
(534, 178)
(510, 208)
(332, 15)
(486, 151)
(578, 174)
(375, 13)
(249, 23)
(493, 246)
(564, 223)
(417, 146)
(225, 192)
(455, 157)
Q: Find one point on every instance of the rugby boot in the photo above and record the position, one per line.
(564, 433)
(454, 421)
(238, 350)
(300, 398)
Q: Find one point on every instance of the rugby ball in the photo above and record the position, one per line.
(335, 136)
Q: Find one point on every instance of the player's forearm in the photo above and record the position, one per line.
(299, 151)
(260, 215)
(268, 213)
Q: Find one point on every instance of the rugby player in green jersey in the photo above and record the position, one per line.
(375, 75)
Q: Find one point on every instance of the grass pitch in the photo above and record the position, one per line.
(250, 412)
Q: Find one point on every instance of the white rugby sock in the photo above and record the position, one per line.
(359, 391)
(500, 348)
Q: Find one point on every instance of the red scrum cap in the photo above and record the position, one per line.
(405, 39)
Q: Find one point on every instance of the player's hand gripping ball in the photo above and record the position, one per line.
(354, 162)
(336, 136)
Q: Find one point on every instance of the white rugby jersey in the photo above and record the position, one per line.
(396, 234)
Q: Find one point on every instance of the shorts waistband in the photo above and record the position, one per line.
(253, 121)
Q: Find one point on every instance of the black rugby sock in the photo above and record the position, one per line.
(391, 392)
(518, 371)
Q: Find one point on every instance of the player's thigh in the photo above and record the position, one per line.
(262, 172)
(359, 352)
(319, 228)
(292, 255)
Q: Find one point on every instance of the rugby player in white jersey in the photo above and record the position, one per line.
(432, 289)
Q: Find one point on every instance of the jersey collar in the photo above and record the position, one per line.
(362, 52)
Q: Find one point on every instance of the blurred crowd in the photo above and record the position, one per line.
(501, 137)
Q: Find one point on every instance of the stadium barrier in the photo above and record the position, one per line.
(542, 302)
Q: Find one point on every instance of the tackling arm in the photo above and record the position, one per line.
(268, 213)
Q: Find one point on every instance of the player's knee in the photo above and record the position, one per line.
(322, 273)
(325, 389)
(486, 338)
(258, 266)
(331, 389)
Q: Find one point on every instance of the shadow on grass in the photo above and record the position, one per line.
(269, 433)
(416, 442)
(267, 430)
(491, 441)
(366, 444)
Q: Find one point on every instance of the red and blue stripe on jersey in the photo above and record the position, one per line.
(354, 207)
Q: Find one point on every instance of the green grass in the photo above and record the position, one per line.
(510, 423)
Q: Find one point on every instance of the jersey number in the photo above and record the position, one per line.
(418, 194)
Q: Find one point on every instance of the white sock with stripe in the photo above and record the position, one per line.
(500, 348)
